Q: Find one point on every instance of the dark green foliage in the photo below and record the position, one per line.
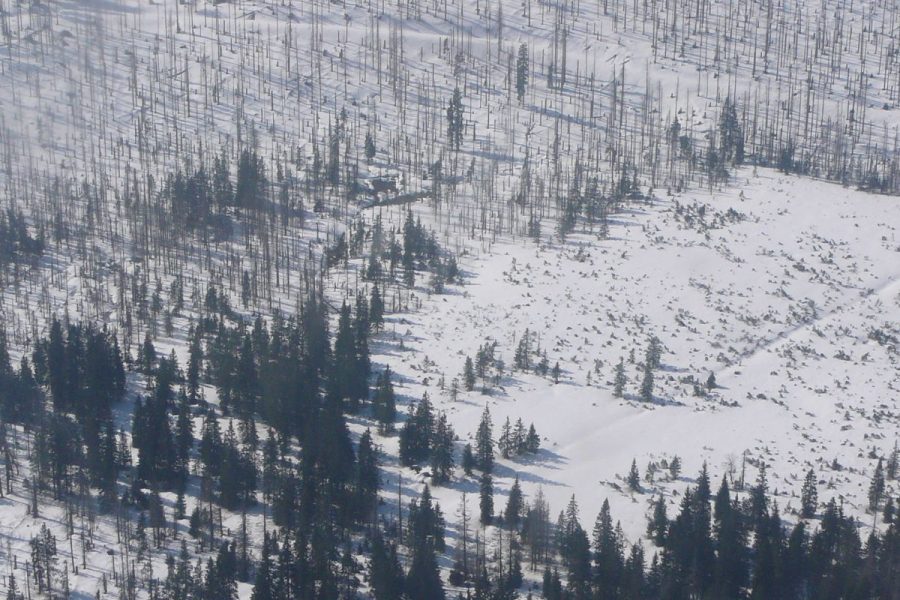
(809, 496)
(426, 538)
(876, 487)
(484, 443)
(384, 402)
(486, 498)
(366, 478)
(620, 380)
(514, 505)
(349, 379)
(731, 137)
(417, 433)
(455, 123)
(385, 574)
(370, 146)
(521, 71)
(20, 396)
(442, 451)
(468, 459)
(17, 243)
(659, 522)
(634, 478)
(249, 193)
(469, 375)
(191, 198)
(607, 553)
(647, 384)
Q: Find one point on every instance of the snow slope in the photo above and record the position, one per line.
(780, 305)
(782, 287)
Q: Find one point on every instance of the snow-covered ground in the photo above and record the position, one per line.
(776, 286)
(787, 289)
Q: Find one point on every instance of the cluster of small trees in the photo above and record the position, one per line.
(652, 361)
(426, 438)
(530, 357)
(516, 440)
(17, 243)
(418, 250)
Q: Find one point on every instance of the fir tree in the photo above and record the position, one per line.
(469, 375)
(455, 120)
(384, 402)
(519, 438)
(876, 488)
(659, 522)
(442, 451)
(426, 537)
(521, 72)
(532, 440)
(514, 506)
(385, 575)
(370, 146)
(468, 459)
(263, 584)
(647, 384)
(484, 443)
(809, 496)
(505, 443)
(674, 467)
(366, 479)
(893, 463)
(654, 353)
(608, 559)
(620, 380)
(376, 309)
(634, 478)
(486, 495)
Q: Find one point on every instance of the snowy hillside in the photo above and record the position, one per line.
(664, 233)
(778, 289)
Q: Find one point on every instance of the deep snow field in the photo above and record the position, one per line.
(786, 288)
(779, 304)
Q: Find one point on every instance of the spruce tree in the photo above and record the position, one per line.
(486, 498)
(469, 375)
(376, 308)
(519, 438)
(442, 450)
(647, 384)
(385, 575)
(484, 443)
(426, 535)
(384, 402)
(532, 440)
(809, 496)
(876, 488)
(505, 441)
(521, 71)
(263, 586)
(654, 353)
(659, 522)
(634, 478)
(620, 380)
(608, 559)
(455, 120)
(514, 506)
(366, 479)
(370, 146)
(468, 459)
(893, 463)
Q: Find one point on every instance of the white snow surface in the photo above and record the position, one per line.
(776, 288)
